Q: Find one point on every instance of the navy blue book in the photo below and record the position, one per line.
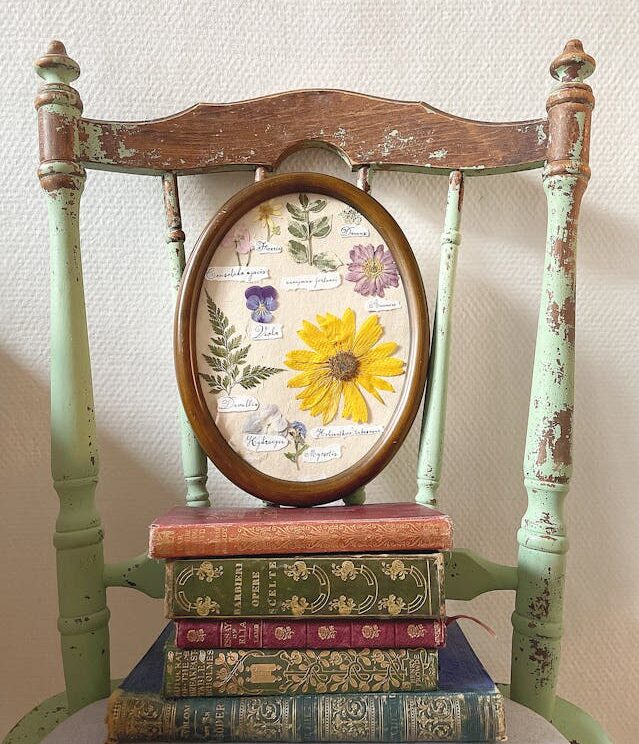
(467, 707)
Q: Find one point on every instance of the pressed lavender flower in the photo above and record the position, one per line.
(372, 269)
(261, 301)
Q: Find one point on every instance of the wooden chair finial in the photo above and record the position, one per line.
(56, 66)
(573, 65)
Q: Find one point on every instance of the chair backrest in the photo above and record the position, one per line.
(370, 134)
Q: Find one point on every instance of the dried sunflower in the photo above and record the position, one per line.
(340, 363)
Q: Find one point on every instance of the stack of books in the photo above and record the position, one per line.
(290, 625)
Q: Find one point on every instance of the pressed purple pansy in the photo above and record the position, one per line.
(261, 301)
(372, 269)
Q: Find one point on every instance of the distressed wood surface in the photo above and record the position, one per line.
(260, 133)
(84, 616)
(431, 443)
(537, 619)
(370, 133)
(194, 461)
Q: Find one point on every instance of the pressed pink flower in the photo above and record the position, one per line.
(239, 240)
(372, 269)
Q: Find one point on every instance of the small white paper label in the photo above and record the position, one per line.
(354, 231)
(322, 454)
(263, 246)
(264, 442)
(236, 273)
(379, 304)
(321, 280)
(349, 430)
(237, 403)
(266, 331)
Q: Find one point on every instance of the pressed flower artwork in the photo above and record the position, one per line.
(372, 269)
(266, 214)
(303, 336)
(261, 301)
(340, 363)
(268, 420)
(306, 226)
(240, 241)
(227, 357)
(351, 215)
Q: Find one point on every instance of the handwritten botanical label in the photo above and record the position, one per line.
(349, 430)
(236, 273)
(266, 331)
(264, 246)
(354, 231)
(322, 454)
(378, 304)
(264, 442)
(325, 280)
(237, 403)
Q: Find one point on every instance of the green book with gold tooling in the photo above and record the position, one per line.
(376, 586)
(210, 672)
(467, 707)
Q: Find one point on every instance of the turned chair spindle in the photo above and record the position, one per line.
(370, 134)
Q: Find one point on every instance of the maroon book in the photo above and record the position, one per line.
(276, 634)
(201, 532)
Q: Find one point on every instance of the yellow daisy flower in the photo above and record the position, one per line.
(341, 362)
(265, 214)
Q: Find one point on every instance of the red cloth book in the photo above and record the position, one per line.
(276, 634)
(201, 532)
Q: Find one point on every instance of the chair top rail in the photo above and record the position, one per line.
(362, 129)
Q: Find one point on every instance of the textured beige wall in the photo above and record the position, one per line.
(486, 60)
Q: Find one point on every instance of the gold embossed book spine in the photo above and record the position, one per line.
(214, 672)
(375, 718)
(467, 707)
(330, 634)
(371, 586)
(190, 532)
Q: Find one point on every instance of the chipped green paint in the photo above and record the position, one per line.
(468, 575)
(438, 154)
(40, 721)
(83, 619)
(434, 417)
(91, 144)
(539, 576)
(43, 719)
(537, 619)
(357, 498)
(194, 461)
(575, 150)
(141, 573)
(126, 152)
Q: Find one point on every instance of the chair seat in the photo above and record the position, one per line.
(87, 726)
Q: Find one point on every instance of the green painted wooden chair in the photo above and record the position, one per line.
(369, 134)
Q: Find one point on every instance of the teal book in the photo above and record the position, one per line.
(316, 586)
(467, 707)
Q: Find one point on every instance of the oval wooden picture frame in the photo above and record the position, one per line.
(226, 459)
